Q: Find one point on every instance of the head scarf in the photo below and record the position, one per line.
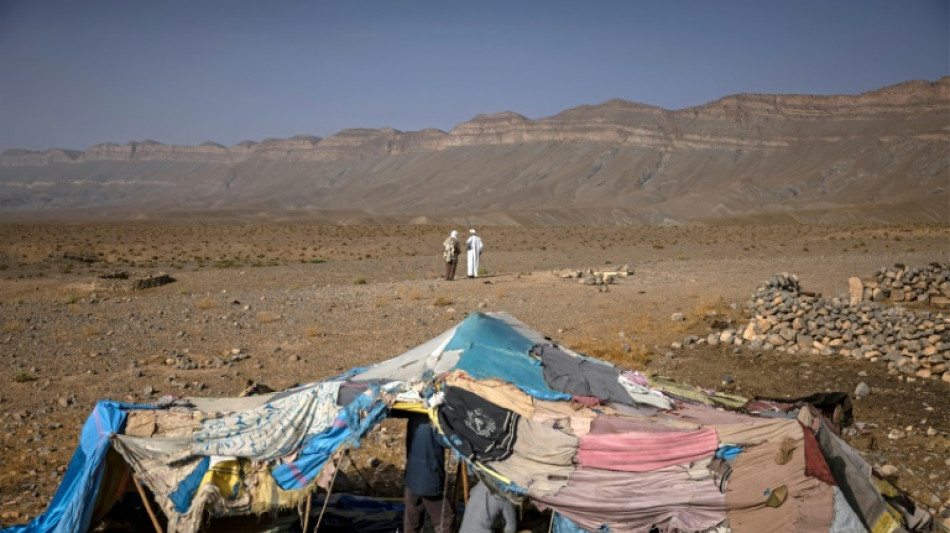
(454, 234)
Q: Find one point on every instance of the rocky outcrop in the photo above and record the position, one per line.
(740, 121)
(29, 158)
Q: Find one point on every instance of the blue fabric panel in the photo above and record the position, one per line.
(728, 451)
(346, 427)
(493, 349)
(186, 490)
(563, 524)
(71, 509)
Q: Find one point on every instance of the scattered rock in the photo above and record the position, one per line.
(862, 390)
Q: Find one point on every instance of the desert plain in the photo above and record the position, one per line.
(282, 303)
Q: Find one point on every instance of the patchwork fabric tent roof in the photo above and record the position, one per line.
(604, 448)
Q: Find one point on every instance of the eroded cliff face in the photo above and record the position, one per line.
(741, 154)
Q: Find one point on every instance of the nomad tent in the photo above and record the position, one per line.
(603, 448)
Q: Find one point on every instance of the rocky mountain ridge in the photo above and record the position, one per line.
(859, 156)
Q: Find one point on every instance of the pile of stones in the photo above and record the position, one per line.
(591, 276)
(927, 284)
(787, 318)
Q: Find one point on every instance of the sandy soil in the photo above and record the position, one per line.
(288, 303)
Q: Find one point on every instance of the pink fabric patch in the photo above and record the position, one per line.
(642, 452)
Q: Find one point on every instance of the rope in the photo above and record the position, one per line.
(326, 499)
(445, 490)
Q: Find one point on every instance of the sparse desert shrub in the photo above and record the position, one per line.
(359, 281)
(636, 356)
(657, 246)
(441, 301)
(205, 304)
(23, 377)
(69, 299)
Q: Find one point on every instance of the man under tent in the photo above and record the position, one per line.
(425, 477)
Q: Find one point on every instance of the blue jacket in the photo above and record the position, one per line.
(425, 457)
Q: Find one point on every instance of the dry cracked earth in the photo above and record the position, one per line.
(282, 304)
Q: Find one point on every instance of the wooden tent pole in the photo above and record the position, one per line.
(465, 484)
(458, 484)
(148, 506)
(306, 515)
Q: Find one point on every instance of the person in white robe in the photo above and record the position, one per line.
(474, 246)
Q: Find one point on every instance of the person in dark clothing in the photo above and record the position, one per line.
(425, 478)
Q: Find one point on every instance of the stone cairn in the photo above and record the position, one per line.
(916, 343)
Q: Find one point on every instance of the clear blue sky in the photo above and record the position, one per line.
(76, 73)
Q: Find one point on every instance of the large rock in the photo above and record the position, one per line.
(856, 288)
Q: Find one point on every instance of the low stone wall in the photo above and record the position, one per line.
(787, 318)
(132, 281)
(900, 283)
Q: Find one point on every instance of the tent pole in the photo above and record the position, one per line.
(148, 506)
(306, 515)
(458, 484)
(465, 484)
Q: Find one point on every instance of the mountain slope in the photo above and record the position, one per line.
(878, 156)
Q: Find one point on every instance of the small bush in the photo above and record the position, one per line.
(23, 377)
(359, 281)
(441, 301)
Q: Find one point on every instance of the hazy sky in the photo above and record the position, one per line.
(76, 73)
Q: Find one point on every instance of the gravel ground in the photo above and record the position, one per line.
(361, 295)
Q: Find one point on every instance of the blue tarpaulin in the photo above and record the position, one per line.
(493, 349)
(299, 473)
(72, 506)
